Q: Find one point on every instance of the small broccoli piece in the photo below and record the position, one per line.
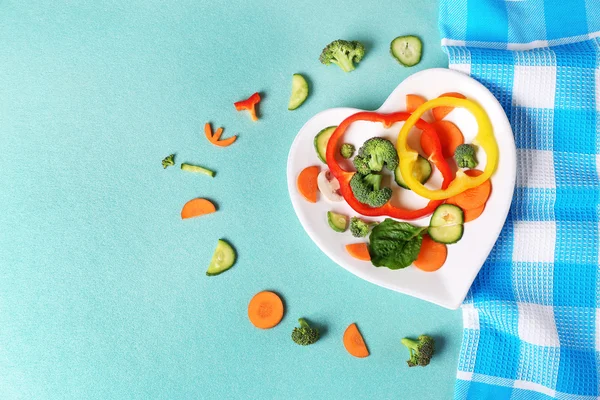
(168, 161)
(343, 53)
(360, 228)
(465, 156)
(374, 154)
(421, 350)
(305, 335)
(367, 189)
(347, 150)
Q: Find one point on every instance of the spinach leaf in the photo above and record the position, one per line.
(394, 244)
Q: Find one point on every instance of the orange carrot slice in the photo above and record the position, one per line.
(307, 183)
(214, 139)
(354, 342)
(450, 138)
(431, 256)
(475, 197)
(196, 208)
(440, 112)
(474, 213)
(265, 310)
(413, 102)
(359, 251)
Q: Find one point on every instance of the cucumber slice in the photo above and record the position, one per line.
(407, 50)
(321, 141)
(446, 215)
(223, 259)
(299, 92)
(421, 172)
(197, 169)
(337, 222)
(446, 234)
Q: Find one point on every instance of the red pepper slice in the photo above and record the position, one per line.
(344, 176)
(249, 104)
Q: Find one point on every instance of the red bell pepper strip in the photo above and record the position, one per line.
(249, 104)
(344, 176)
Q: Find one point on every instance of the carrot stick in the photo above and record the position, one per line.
(217, 135)
(225, 142)
(196, 208)
(431, 256)
(413, 102)
(354, 342)
(307, 183)
(360, 251)
(474, 213)
(214, 138)
(474, 197)
(208, 132)
(265, 310)
(440, 112)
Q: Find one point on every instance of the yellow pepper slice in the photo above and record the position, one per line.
(485, 138)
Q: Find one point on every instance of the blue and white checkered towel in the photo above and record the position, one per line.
(532, 317)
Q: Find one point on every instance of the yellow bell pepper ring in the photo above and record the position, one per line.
(485, 139)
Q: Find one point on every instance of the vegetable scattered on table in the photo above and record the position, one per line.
(395, 245)
(343, 53)
(265, 310)
(197, 169)
(347, 150)
(354, 342)
(299, 92)
(305, 335)
(223, 258)
(168, 161)
(214, 139)
(440, 113)
(249, 105)
(465, 156)
(421, 350)
(360, 228)
(360, 251)
(307, 183)
(432, 255)
(407, 50)
(197, 208)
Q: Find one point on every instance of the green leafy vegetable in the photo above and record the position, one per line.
(168, 161)
(395, 245)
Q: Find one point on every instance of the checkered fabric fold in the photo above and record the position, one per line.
(532, 316)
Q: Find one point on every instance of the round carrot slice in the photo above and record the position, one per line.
(474, 213)
(474, 197)
(450, 138)
(354, 342)
(432, 255)
(265, 310)
(307, 183)
(440, 112)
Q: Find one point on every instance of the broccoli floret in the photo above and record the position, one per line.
(465, 156)
(360, 228)
(305, 335)
(168, 161)
(343, 53)
(367, 189)
(374, 154)
(421, 350)
(347, 150)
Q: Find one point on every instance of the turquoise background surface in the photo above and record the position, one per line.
(103, 293)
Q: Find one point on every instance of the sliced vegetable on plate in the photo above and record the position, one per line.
(307, 183)
(465, 156)
(440, 113)
(432, 255)
(360, 251)
(413, 102)
(474, 197)
(446, 225)
(337, 222)
(395, 245)
(329, 186)
(421, 171)
(321, 140)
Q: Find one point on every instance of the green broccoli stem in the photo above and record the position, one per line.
(344, 63)
(303, 323)
(411, 344)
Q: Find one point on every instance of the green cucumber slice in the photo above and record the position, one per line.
(337, 222)
(446, 234)
(407, 50)
(299, 92)
(321, 141)
(421, 172)
(197, 169)
(222, 259)
(446, 215)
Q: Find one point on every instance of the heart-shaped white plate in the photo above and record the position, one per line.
(449, 285)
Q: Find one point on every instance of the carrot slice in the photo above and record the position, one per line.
(431, 256)
(196, 208)
(214, 138)
(450, 138)
(413, 101)
(265, 310)
(474, 197)
(208, 132)
(473, 213)
(440, 112)
(225, 142)
(307, 183)
(354, 342)
(217, 135)
(359, 251)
